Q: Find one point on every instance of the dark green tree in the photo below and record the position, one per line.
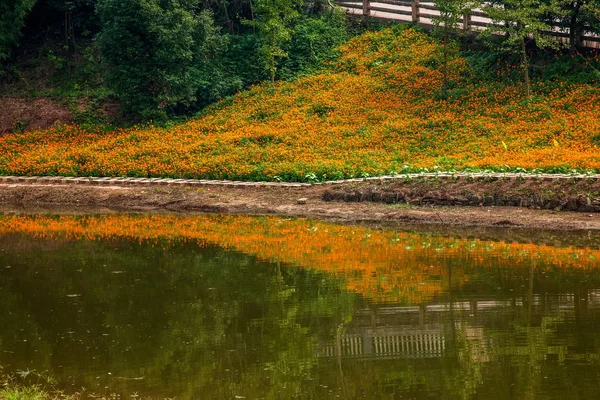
(12, 20)
(274, 24)
(315, 41)
(520, 21)
(451, 14)
(155, 52)
(576, 17)
(71, 17)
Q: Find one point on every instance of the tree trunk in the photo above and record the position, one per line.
(226, 14)
(572, 37)
(66, 29)
(69, 28)
(252, 17)
(445, 87)
(525, 62)
(575, 29)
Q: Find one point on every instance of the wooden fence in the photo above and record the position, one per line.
(424, 14)
(399, 343)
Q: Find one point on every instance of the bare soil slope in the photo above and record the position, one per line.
(27, 115)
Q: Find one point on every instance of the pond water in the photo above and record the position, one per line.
(226, 307)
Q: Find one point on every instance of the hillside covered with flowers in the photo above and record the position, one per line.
(380, 108)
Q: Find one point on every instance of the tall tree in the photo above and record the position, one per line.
(73, 17)
(274, 23)
(576, 16)
(451, 13)
(12, 20)
(520, 21)
(153, 50)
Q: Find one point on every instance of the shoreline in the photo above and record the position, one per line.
(426, 200)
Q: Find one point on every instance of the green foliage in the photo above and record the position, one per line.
(553, 68)
(12, 17)
(576, 16)
(557, 69)
(274, 24)
(157, 53)
(25, 393)
(19, 126)
(520, 20)
(451, 11)
(57, 61)
(242, 59)
(213, 80)
(492, 66)
(315, 42)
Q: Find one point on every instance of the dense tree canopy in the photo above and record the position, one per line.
(12, 19)
(161, 58)
(170, 57)
(154, 51)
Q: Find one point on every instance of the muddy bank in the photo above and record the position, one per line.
(561, 194)
(311, 201)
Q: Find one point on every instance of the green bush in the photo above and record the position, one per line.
(242, 60)
(12, 17)
(314, 42)
(157, 54)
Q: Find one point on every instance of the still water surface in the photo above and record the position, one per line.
(225, 307)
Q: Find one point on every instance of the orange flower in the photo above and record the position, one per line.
(373, 111)
(386, 266)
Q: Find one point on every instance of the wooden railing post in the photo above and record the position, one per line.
(366, 10)
(415, 11)
(467, 21)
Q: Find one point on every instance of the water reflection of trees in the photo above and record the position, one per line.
(512, 344)
(195, 320)
(186, 320)
(384, 265)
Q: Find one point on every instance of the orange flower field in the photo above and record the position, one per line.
(386, 266)
(376, 110)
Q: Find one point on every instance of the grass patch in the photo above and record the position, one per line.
(25, 393)
(31, 385)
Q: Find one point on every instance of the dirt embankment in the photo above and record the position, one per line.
(19, 114)
(442, 203)
(581, 195)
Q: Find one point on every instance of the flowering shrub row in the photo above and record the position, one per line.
(378, 109)
(385, 266)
